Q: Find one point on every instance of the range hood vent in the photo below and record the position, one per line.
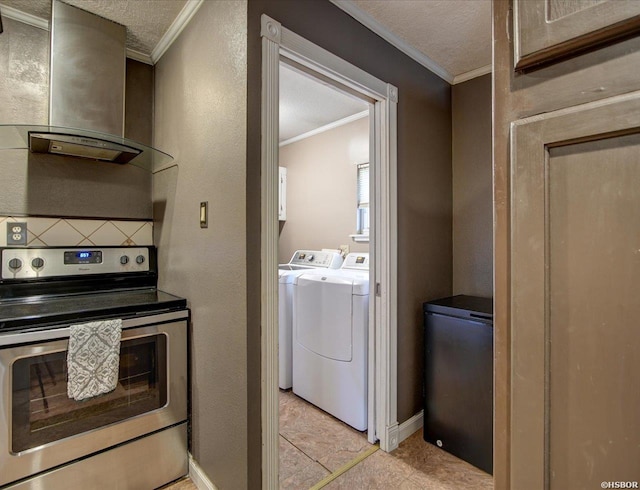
(75, 142)
(86, 95)
(77, 146)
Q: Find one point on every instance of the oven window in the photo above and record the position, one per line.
(42, 412)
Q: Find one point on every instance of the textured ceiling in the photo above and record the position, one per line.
(146, 20)
(456, 34)
(39, 8)
(307, 104)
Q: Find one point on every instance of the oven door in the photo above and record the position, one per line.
(40, 427)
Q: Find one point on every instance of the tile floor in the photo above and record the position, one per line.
(182, 484)
(313, 444)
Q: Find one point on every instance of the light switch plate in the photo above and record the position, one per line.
(204, 214)
(16, 233)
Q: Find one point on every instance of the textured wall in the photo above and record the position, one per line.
(424, 170)
(472, 188)
(138, 110)
(24, 98)
(321, 190)
(200, 118)
(24, 74)
(51, 185)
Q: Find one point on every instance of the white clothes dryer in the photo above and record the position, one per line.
(301, 261)
(330, 335)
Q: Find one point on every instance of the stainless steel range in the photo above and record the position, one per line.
(134, 437)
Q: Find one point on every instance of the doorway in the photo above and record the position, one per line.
(278, 44)
(323, 252)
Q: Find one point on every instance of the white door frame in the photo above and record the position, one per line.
(278, 42)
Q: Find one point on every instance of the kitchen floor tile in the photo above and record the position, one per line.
(305, 478)
(434, 468)
(312, 440)
(182, 484)
(292, 460)
(312, 444)
(378, 471)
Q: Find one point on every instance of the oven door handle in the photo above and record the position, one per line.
(16, 338)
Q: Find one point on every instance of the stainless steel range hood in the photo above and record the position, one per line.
(78, 146)
(86, 95)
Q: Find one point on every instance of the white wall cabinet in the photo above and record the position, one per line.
(282, 194)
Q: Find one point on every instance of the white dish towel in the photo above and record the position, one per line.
(93, 358)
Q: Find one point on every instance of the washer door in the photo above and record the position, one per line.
(322, 315)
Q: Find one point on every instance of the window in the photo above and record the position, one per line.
(362, 217)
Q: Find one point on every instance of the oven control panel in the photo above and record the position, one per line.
(27, 263)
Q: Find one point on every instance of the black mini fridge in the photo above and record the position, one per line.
(458, 377)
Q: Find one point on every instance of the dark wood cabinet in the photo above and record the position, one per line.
(567, 243)
(549, 29)
(575, 273)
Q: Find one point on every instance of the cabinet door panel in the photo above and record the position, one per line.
(575, 276)
(593, 283)
(548, 29)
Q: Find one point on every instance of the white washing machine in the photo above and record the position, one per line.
(330, 332)
(302, 260)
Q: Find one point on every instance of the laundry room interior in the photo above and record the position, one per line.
(325, 196)
(324, 145)
(323, 250)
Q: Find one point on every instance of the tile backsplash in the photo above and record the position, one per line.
(68, 232)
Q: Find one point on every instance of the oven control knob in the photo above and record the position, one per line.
(37, 263)
(124, 260)
(15, 264)
(140, 259)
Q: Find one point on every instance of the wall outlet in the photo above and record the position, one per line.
(344, 249)
(16, 233)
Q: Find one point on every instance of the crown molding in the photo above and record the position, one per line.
(478, 72)
(375, 26)
(18, 15)
(180, 22)
(139, 56)
(326, 127)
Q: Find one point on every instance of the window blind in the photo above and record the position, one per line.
(362, 216)
(363, 185)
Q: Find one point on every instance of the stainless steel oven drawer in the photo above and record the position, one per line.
(149, 462)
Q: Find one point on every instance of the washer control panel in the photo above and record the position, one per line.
(317, 258)
(27, 263)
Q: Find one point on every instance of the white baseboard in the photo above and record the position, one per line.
(199, 477)
(408, 427)
(391, 438)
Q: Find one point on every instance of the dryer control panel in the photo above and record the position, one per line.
(357, 261)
